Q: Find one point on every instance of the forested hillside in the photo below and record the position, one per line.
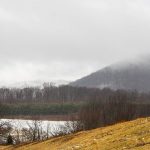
(127, 76)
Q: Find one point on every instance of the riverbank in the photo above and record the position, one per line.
(41, 117)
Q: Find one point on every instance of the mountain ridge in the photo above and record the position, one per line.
(129, 76)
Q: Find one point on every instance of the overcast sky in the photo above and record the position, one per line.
(67, 39)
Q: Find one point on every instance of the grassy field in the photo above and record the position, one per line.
(133, 135)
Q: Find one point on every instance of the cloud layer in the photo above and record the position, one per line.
(46, 39)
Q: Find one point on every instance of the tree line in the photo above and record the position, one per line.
(50, 93)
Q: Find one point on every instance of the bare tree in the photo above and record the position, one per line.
(5, 129)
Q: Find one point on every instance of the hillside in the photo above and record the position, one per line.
(133, 135)
(128, 76)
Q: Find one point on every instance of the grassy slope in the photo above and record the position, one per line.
(133, 135)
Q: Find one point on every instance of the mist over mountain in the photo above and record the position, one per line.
(133, 75)
(34, 83)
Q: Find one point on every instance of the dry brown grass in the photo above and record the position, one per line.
(133, 135)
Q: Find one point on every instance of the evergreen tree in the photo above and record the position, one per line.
(9, 140)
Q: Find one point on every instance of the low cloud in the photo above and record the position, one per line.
(69, 39)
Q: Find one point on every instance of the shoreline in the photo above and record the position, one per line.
(42, 117)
